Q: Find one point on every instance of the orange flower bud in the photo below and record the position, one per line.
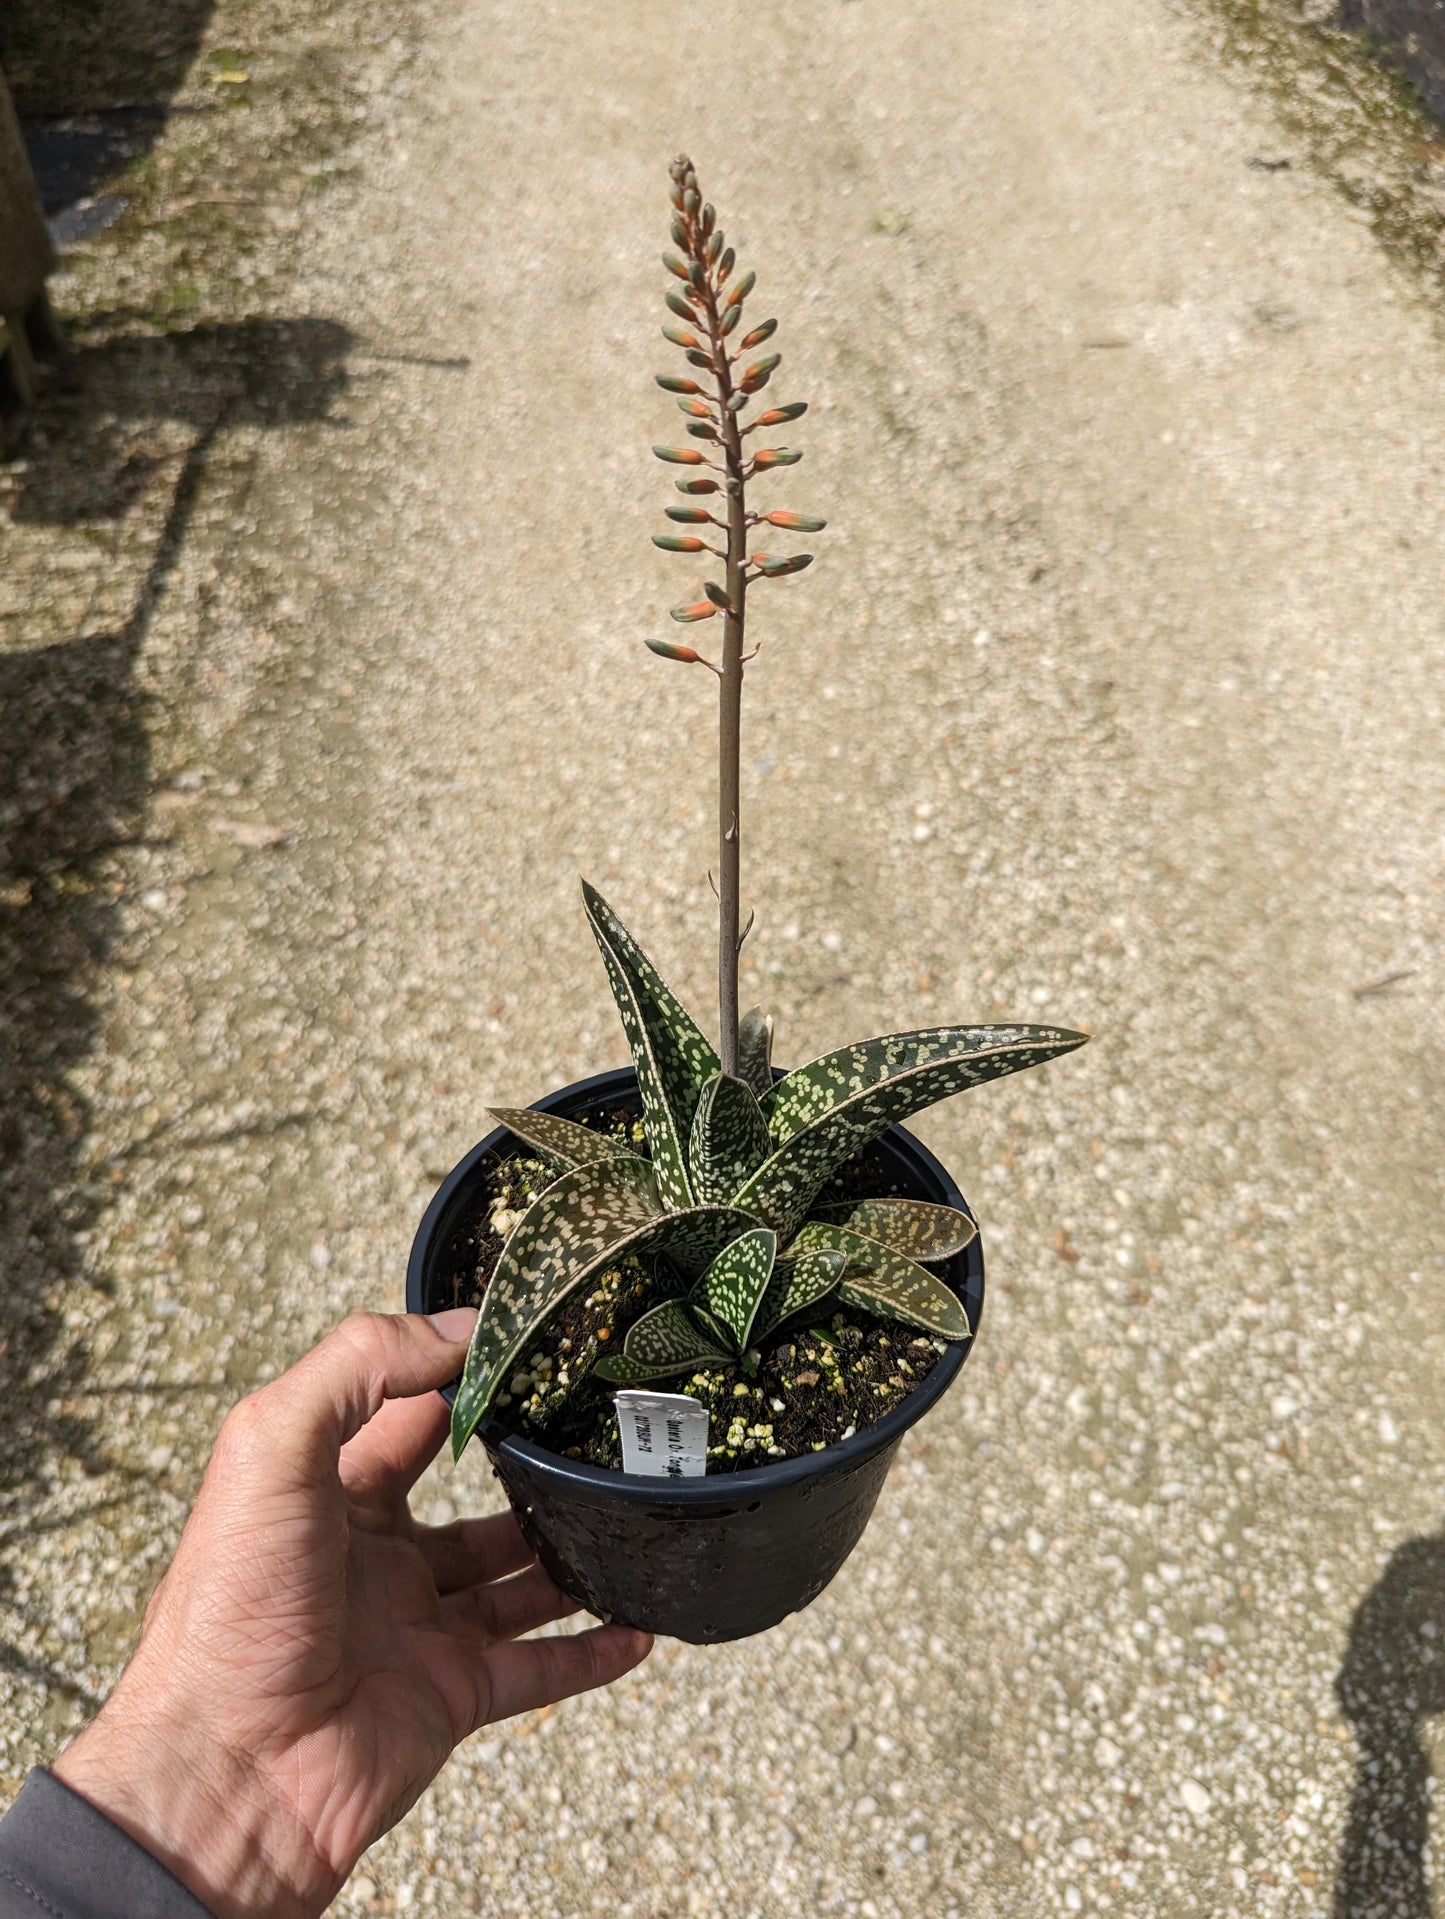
(759, 373)
(795, 522)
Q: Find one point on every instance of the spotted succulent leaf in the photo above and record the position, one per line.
(797, 1284)
(755, 1050)
(729, 1139)
(733, 1286)
(591, 1215)
(618, 1370)
(692, 1239)
(912, 1227)
(669, 1335)
(673, 1058)
(561, 1139)
(886, 1283)
(597, 1215)
(711, 1325)
(823, 1112)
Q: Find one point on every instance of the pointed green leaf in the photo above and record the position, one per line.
(673, 1058)
(729, 1139)
(618, 1370)
(693, 1239)
(668, 1335)
(732, 1288)
(823, 1112)
(711, 1325)
(589, 1219)
(797, 1284)
(561, 1139)
(755, 1050)
(886, 1283)
(909, 1226)
(589, 1216)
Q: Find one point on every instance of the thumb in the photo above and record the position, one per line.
(325, 1399)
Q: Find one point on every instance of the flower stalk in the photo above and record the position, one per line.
(712, 303)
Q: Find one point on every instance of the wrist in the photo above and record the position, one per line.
(203, 1812)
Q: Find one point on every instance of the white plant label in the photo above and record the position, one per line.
(664, 1435)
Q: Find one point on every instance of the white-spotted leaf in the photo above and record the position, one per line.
(561, 1139)
(912, 1227)
(733, 1286)
(798, 1283)
(823, 1112)
(673, 1058)
(755, 1050)
(729, 1139)
(668, 1335)
(887, 1283)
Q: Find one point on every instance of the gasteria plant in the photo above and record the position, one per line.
(724, 1209)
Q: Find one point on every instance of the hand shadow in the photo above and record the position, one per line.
(1393, 1676)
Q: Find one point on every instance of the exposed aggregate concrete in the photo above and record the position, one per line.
(1114, 699)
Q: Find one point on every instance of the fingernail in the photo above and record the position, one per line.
(455, 1324)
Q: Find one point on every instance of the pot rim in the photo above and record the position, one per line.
(706, 1490)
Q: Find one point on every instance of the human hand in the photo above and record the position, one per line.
(313, 1654)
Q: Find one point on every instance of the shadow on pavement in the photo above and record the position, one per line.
(93, 81)
(75, 773)
(1393, 1676)
(1408, 35)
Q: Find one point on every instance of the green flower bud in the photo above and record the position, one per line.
(743, 288)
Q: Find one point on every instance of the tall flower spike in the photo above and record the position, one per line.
(704, 292)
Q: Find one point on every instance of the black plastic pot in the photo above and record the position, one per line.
(699, 1559)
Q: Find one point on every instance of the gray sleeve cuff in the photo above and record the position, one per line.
(62, 1859)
